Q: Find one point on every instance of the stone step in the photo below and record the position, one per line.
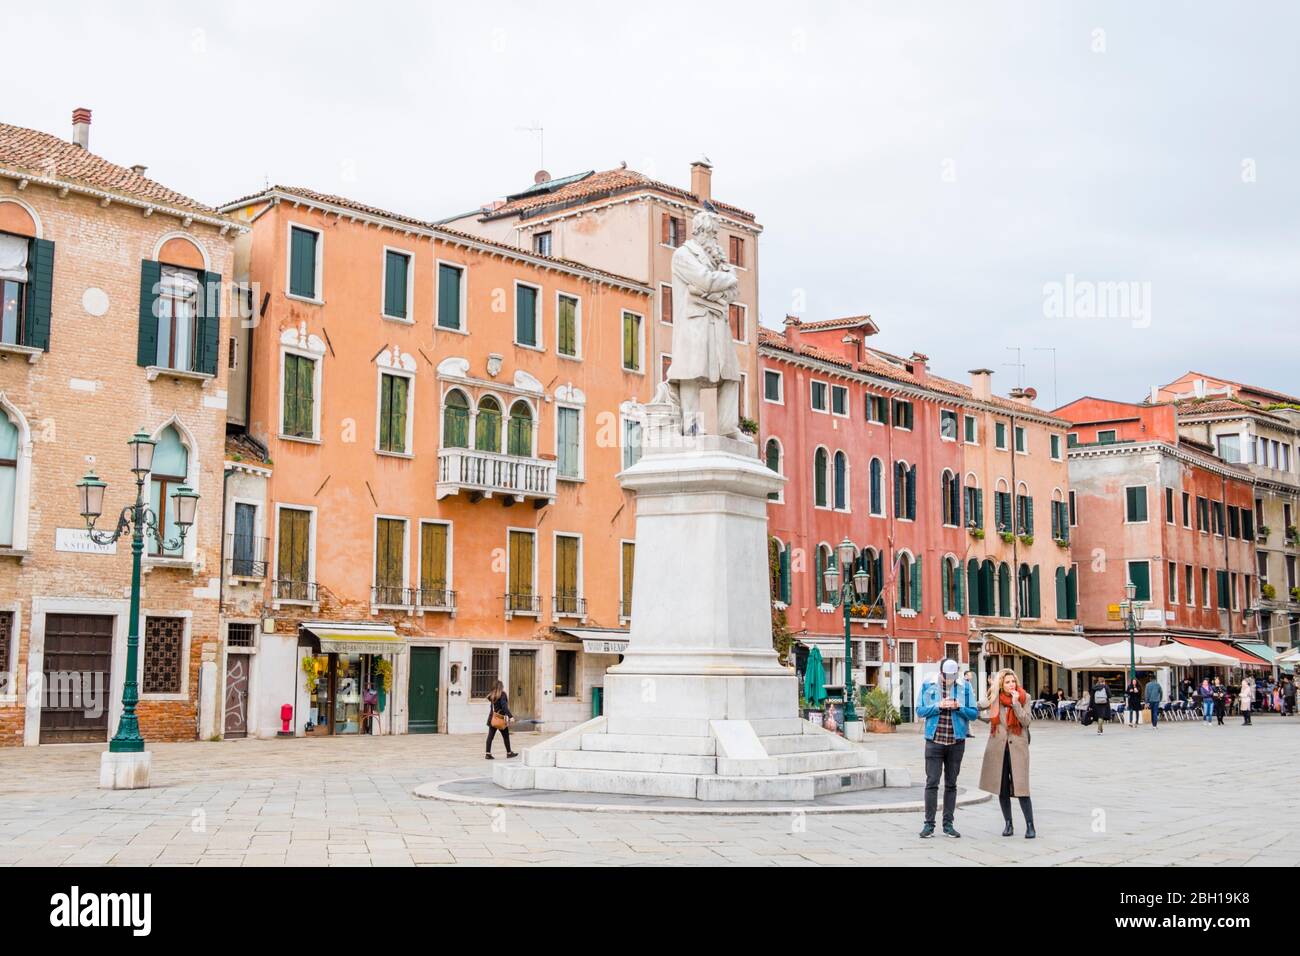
(821, 760)
(613, 781)
(846, 781)
(796, 744)
(634, 762)
(646, 744)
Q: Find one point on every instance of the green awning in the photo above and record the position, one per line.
(1263, 650)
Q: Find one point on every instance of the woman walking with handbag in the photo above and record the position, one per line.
(499, 718)
(1005, 770)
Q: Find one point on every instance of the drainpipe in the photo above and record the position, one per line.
(1227, 564)
(1015, 530)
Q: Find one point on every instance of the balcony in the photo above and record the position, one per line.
(246, 556)
(292, 591)
(389, 595)
(435, 599)
(569, 605)
(529, 605)
(483, 474)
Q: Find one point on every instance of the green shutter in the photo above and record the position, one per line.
(944, 578)
(911, 492)
(208, 325)
(396, 267)
(147, 345)
(1029, 515)
(979, 507)
(302, 263)
(449, 278)
(783, 572)
(916, 584)
(1062, 597)
(1072, 593)
(525, 315)
(958, 587)
(40, 289)
(1035, 602)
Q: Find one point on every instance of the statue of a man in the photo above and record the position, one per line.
(704, 356)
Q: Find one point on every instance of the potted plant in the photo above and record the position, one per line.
(1006, 536)
(1295, 594)
(977, 533)
(1268, 591)
(1263, 532)
(1027, 539)
(881, 714)
(1062, 542)
(748, 425)
(1291, 532)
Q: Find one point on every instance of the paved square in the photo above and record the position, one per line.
(1185, 793)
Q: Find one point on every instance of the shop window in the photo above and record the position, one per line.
(566, 673)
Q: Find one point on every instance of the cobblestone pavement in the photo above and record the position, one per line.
(1161, 797)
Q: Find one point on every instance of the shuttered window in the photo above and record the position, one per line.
(393, 393)
(487, 428)
(736, 319)
(568, 442)
(629, 560)
(294, 544)
(520, 578)
(390, 560)
(397, 274)
(433, 559)
(302, 262)
(455, 420)
(449, 296)
(1139, 575)
(519, 440)
(299, 400)
(1135, 503)
(164, 641)
(566, 342)
(631, 342)
(666, 304)
(567, 586)
(736, 249)
(526, 315)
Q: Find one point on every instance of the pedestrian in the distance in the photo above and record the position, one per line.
(499, 718)
(947, 705)
(1206, 693)
(1219, 695)
(1288, 696)
(1132, 702)
(1247, 699)
(1154, 694)
(1005, 770)
(1100, 703)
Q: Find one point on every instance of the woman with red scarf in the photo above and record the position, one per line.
(1006, 758)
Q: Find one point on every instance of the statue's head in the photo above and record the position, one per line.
(704, 226)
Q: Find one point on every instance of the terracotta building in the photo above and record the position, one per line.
(442, 417)
(114, 319)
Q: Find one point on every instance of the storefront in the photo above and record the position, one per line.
(583, 676)
(347, 677)
(1035, 658)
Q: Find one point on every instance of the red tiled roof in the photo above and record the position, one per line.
(1243, 387)
(41, 154)
(312, 195)
(848, 322)
(596, 186)
(1222, 406)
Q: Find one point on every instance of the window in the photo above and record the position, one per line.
(542, 243)
(26, 284)
(909, 583)
(947, 425)
(177, 308)
(1247, 524)
(568, 583)
(1072, 440)
(1024, 514)
(1187, 510)
(232, 353)
(519, 439)
(665, 363)
(293, 556)
(171, 465)
(568, 442)
(876, 409)
(299, 396)
(902, 414)
(950, 492)
(455, 420)
(394, 397)
(1205, 587)
(736, 320)
(1000, 436)
(9, 441)
(673, 230)
(736, 251)
(1139, 575)
(666, 304)
(1135, 504)
(1217, 513)
(821, 461)
(397, 284)
(905, 491)
(568, 326)
(1056, 447)
(451, 297)
(1106, 436)
(1067, 594)
(520, 596)
(1230, 448)
(484, 671)
(779, 564)
(1221, 582)
(907, 652)
(972, 429)
(772, 386)
(631, 342)
(950, 586)
(1004, 590)
(628, 564)
(566, 673)
(304, 255)
(973, 503)
(841, 481)
(1060, 519)
(1172, 596)
(1234, 522)
(631, 442)
(877, 487)
(1020, 439)
(435, 565)
(1202, 514)
(839, 400)
(238, 634)
(487, 425)
(164, 640)
(1074, 516)
(390, 562)
(245, 548)
(1189, 586)
(1001, 510)
(772, 457)
(1169, 506)
(526, 326)
(1028, 594)
(818, 396)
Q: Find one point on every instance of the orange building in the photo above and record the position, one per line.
(442, 418)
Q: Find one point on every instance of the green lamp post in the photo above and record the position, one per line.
(139, 520)
(1132, 611)
(844, 592)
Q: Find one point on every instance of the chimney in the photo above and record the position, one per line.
(920, 368)
(981, 383)
(702, 178)
(852, 348)
(139, 169)
(1155, 395)
(792, 323)
(81, 127)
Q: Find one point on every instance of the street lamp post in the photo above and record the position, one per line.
(844, 591)
(1132, 611)
(140, 520)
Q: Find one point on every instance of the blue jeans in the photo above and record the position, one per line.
(1155, 713)
(1207, 708)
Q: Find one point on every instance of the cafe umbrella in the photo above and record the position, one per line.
(814, 678)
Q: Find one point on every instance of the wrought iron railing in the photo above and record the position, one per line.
(435, 599)
(391, 595)
(568, 605)
(246, 556)
(288, 589)
(523, 603)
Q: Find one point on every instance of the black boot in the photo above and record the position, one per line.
(1008, 829)
(1030, 833)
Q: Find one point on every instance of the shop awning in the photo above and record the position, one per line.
(350, 638)
(829, 646)
(1289, 657)
(1053, 648)
(1240, 658)
(1269, 655)
(598, 640)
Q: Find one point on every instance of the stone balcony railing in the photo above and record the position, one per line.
(482, 474)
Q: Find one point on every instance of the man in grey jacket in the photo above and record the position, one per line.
(1154, 694)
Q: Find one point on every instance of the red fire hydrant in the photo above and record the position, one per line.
(286, 715)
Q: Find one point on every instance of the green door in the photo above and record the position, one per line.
(425, 668)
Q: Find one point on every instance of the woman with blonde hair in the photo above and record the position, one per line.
(1006, 758)
(1247, 699)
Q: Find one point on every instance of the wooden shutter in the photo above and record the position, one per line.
(666, 303)
(433, 557)
(302, 263)
(945, 578)
(40, 290)
(147, 343)
(973, 587)
(900, 479)
(1029, 515)
(958, 588)
(525, 315)
(1035, 605)
(1062, 598)
(208, 324)
(448, 297)
(396, 266)
(1072, 593)
(783, 572)
(566, 568)
(916, 584)
(295, 533)
(629, 561)
(911, 492)
(736, 318)
(521, 563)
(665, 228)
(979, 507)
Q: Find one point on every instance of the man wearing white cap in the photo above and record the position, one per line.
(948, 705)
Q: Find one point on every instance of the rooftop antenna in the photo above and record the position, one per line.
(541, 141)
(1018, 365)
(1052, 349)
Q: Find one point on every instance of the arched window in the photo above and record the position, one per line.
(487, 426)
(909, 582)
(904, 491)
(1004, 590)
(779, 567)
(877, 487)
(171, 463)
(841, 481)
(1060, 517)
(973, 503)
(951, 585)
(520, 439)
(987, 587)
(455, 420)
(820, 459)
(951, 493)
(1027, 591)
(870, 561)
(9, 451)
(1002, 506)
(823, 560)
(772, 455)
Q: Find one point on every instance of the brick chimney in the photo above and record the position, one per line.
(981, 383)
(920, 367)
(81, 127)
(702, 178)
(792, 324)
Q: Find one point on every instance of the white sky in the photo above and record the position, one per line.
(933, 165)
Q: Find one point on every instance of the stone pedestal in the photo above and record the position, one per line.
(128, 771)
(699, 707)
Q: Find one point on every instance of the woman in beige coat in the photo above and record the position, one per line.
(1006, 757)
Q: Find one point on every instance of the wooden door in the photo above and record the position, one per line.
(237, 672)
(77, 671)
(423, 691)
(523, 684)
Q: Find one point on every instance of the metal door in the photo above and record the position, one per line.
(77, 669)
(423, 691)
(237, 672)
(523, 684)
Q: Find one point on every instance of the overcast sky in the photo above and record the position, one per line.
(937, 166)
